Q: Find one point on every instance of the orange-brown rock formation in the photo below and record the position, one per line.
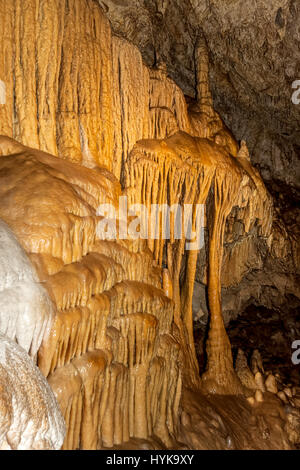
(29, 414)
(120, 355)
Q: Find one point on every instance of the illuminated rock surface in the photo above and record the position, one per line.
(120, 356)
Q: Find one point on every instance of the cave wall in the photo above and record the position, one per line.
(121, 350)
(71, 86)
(253, 54)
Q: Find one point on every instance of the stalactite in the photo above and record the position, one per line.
(97, 339)
(67, 386)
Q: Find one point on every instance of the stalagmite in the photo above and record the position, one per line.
(259, 396)
(67, 386)
(243, 371)
(256, 362)
(91, 368)
(260, 381)
(205, 122)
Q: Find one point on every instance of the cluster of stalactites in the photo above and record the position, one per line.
(109, 326)
(67, 110)
(181, 169)
(112, 324)
(30, 418)
(112, 329)
(69, 107)
(184, 170)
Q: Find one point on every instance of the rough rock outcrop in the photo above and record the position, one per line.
(30, 418)
(253, 53)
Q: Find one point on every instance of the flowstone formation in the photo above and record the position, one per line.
(120, 354)
(119, 357)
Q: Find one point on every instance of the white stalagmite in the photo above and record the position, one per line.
(30, 418)
(25, 308)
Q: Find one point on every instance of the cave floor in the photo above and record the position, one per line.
(217, 422)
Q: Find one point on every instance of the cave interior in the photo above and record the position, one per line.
(149, 224)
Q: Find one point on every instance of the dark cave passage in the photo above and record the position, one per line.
(271, 332)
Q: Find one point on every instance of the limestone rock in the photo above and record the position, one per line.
(120, 356)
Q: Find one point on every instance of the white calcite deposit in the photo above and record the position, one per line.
(25, 309)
